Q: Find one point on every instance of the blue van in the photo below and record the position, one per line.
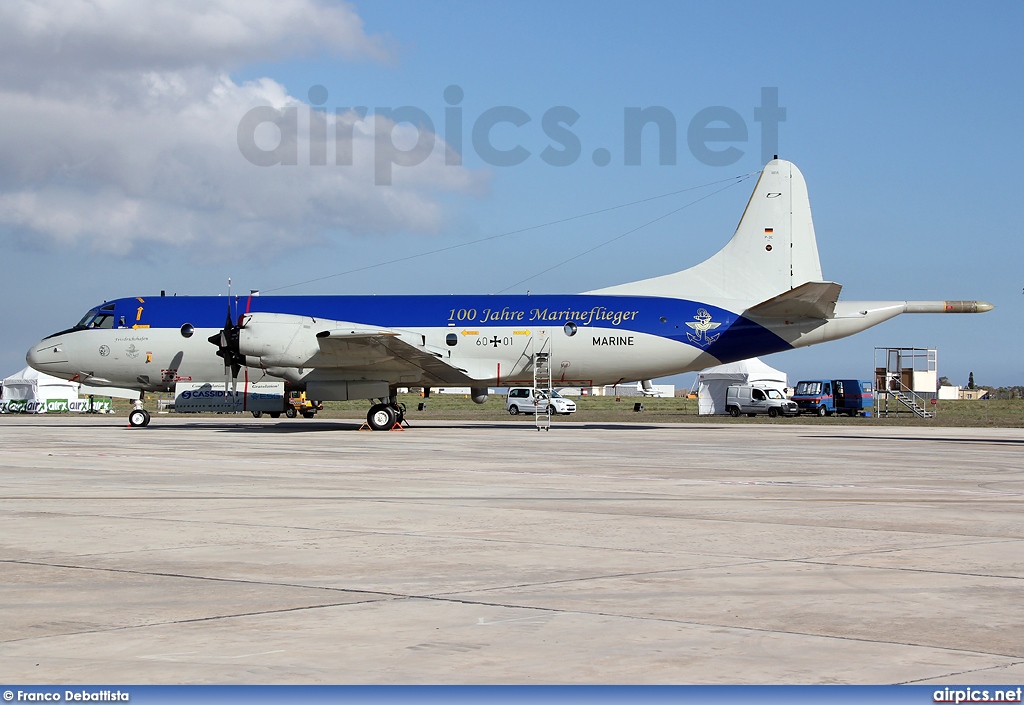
(825, 397)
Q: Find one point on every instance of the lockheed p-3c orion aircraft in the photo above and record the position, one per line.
(762, 293)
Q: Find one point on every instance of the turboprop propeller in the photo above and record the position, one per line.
(227, 342)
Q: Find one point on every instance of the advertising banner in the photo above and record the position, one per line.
(198, 397)
(54, 406)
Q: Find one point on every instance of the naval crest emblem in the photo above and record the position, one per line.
(702, 326)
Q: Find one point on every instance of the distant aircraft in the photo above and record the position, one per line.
(647, 388)
(762, 293)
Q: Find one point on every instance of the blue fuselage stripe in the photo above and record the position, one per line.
(721, 333)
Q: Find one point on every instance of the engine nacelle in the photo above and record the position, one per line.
(478, 394)
(279, 339)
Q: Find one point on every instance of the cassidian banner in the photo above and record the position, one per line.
(508, 695)
(223, 397)
(54, 406)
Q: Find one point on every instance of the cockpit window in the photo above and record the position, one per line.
(87, 318)
(95, 319)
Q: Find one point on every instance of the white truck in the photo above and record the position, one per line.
(751, 400)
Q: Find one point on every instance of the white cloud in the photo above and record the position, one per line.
(73, 36)
(125, 137)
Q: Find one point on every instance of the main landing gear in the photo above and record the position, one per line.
(384, 415)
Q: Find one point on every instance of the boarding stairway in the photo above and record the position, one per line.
(910, 400)
(542, 381)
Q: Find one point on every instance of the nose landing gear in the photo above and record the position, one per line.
(138, 417)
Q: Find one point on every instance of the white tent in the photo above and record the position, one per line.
(714, 381)
(37, 388)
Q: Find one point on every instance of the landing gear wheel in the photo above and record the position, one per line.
(514, 410)
(308, 414)
(381, 417)
(734, 412)
(290, 412)
(138, 418)
(275, 414)
(257, 414)
(822, 411)
(773, 412)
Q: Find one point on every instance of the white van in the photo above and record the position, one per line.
(525, 400)
(749, 400)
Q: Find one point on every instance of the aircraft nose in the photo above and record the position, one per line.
(46, 353)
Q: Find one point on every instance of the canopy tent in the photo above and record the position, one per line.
(714, 381)
(37, 388)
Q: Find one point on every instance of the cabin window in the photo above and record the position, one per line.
(451, 339)
(187, 330)
(570, 329)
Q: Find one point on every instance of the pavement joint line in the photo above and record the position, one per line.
(742, 563)
(960, 673)
(903, 569)
(992, 541)
(183, 576)
(850, 436)
(450, 597)
(745, 521)
(669, 620)
(1000, 497)
(610, 576)
(744, 560)
(550, 610)
(351, 533)
(531, 473)
(194, 620)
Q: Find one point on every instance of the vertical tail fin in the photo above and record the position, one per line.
(772, 251)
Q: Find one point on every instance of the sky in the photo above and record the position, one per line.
(137, 155)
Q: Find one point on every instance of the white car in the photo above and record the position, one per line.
(525, 400)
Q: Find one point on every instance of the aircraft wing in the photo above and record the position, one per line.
(810, 300)
(384, 345)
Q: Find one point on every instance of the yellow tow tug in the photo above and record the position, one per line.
(295, 403)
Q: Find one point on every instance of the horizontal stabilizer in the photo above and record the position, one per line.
(810, 300)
